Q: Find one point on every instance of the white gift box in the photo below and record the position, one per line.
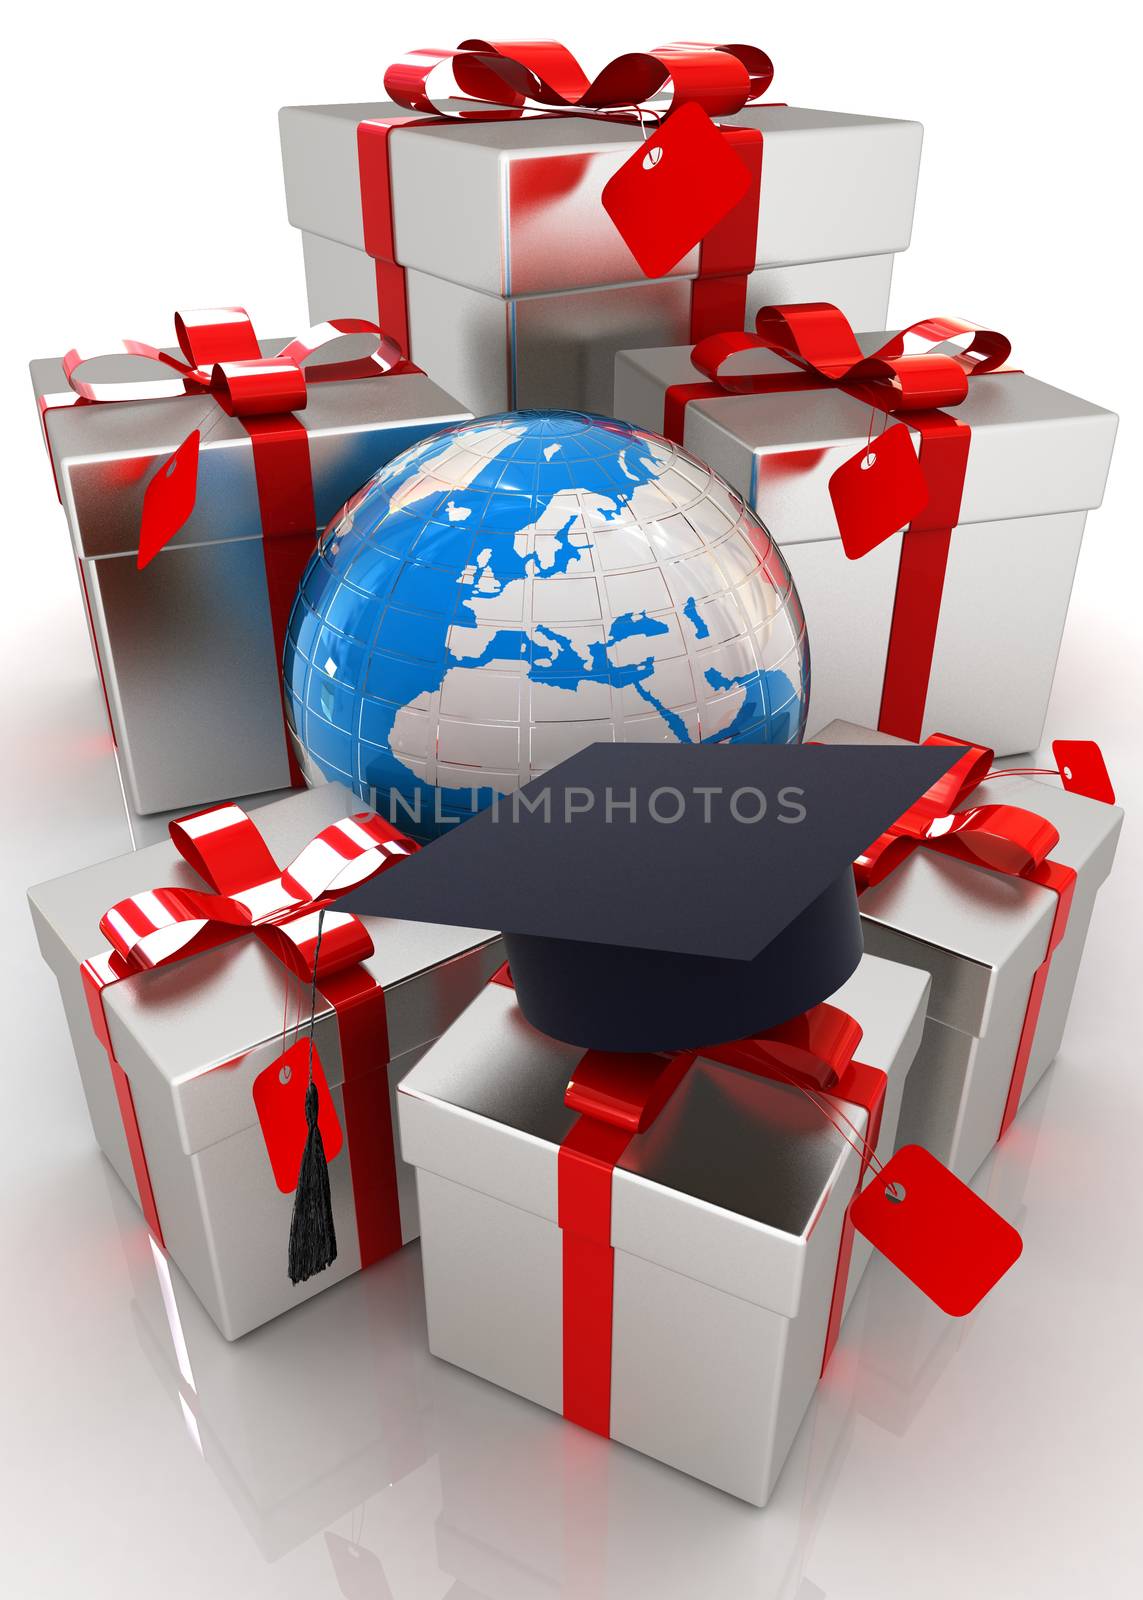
(727, 1217)
(1037, 463)
(520, 289)
(186, 646)
(982, 935)
(192, 1037)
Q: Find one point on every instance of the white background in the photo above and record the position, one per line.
(143, 175)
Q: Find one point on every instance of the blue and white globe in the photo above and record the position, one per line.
(509, 590)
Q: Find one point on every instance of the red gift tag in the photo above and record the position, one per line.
(677, 186)
(280, 1101)
(1083, 769)
(935, 1230)
(169, 499)
(878, 491)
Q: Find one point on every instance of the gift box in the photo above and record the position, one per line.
(990, 890)
(727, 1230)
(189, 643)
(179, 1029)
(955, 621)
(483, 230)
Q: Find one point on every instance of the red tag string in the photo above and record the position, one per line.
(313, 990)
(869, 436)
(1080, 767)
(647, 111)
(300, 994)
(827, 1109)
(289, 993)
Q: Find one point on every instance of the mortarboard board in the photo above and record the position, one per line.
(657, 897)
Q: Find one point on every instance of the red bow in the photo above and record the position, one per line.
(221, 358)
(1006, 838)
(252, 894)
(542, 74)
(817, 338)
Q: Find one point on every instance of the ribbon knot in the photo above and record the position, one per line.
(1007, 839)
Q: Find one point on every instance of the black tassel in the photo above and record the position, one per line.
(313, 1242)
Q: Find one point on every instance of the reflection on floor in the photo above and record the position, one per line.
(334, 1424)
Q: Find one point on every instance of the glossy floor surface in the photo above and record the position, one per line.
(329, 1455)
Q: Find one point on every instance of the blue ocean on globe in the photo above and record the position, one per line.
(509, 590)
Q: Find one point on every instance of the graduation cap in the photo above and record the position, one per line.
(663, 897)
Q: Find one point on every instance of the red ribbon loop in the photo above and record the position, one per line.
(815, 1048)
(542, 74)
(625, 1089)
(817, 338)
(1007, 839)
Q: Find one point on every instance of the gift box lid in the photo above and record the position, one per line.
(727, 1184)
(104, 454)
(189, 1023)
(968, 923)
(524, 193)
(1035, 449)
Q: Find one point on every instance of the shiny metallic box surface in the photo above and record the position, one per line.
(186, 646)
(519, 283)
(1038, 462)
(726, 1216)
(980, 936)
(192, 1037)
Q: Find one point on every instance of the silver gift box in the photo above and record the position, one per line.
(186, 647)
(520, 288)
(192, 1037)
(1037, 464)
(981, 935)
(726, 1218)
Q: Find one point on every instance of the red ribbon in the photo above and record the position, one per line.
(250, 894)
(541, 73)
(540, 77)
(1006, 839)
(820, 346)
(620, 1095)
(222, 360)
